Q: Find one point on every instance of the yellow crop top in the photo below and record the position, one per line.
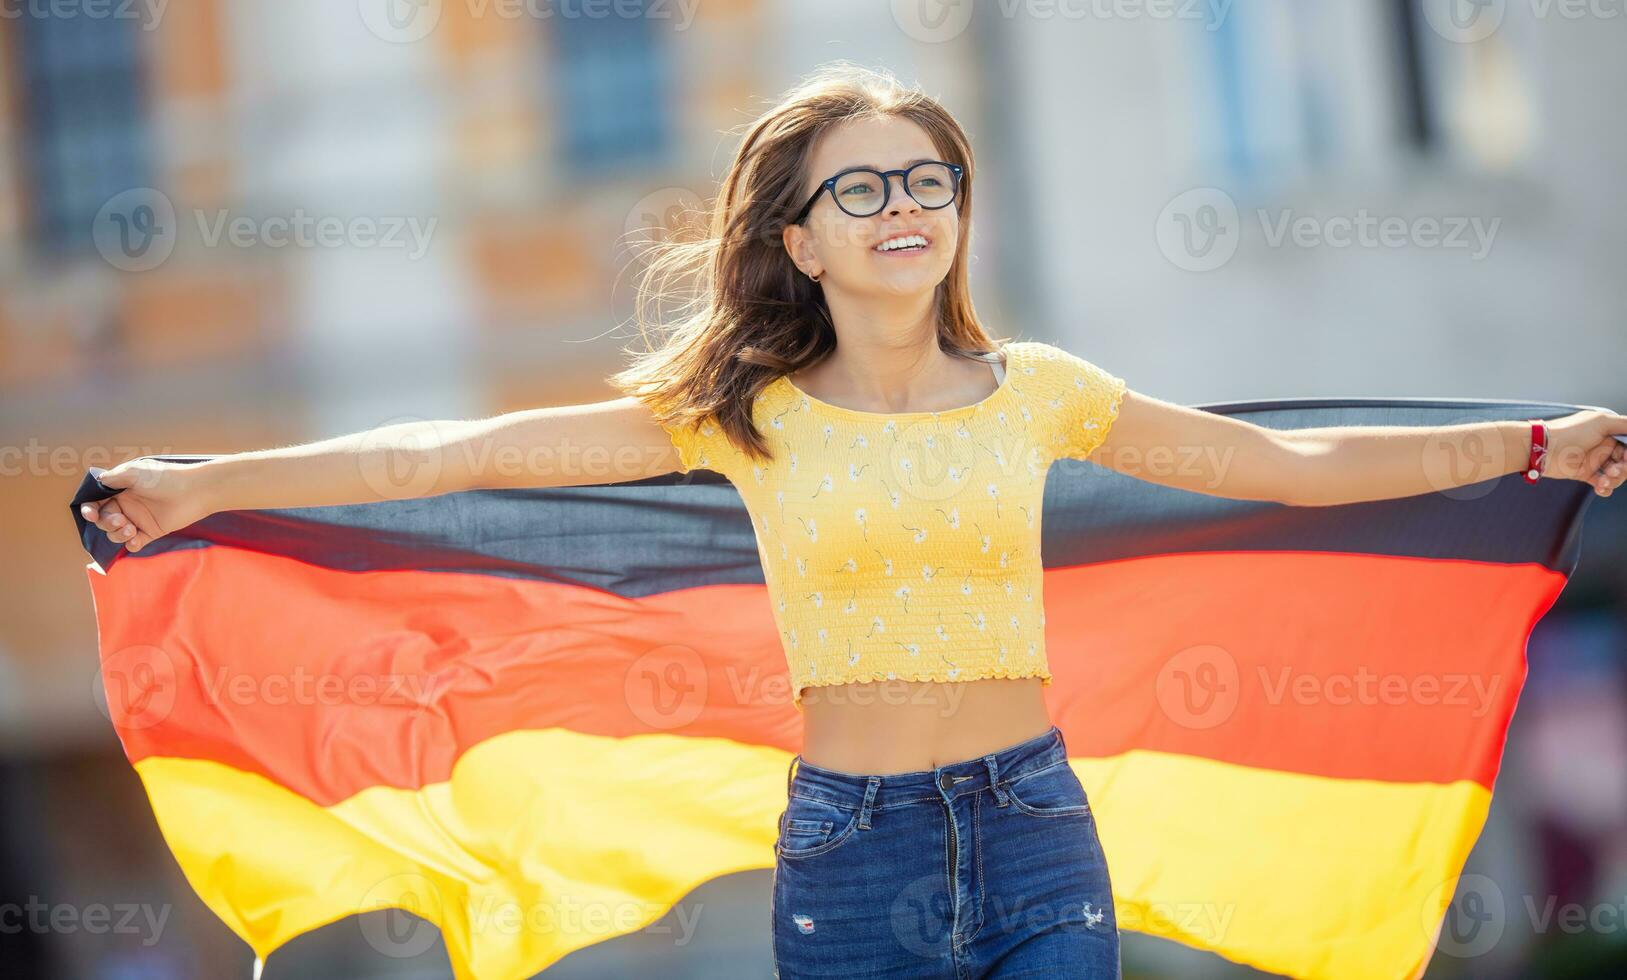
(906, 545)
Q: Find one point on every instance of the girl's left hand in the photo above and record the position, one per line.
(1583, 447)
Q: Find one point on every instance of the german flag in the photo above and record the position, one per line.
(539, 718)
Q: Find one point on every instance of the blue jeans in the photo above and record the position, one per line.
(988, 867)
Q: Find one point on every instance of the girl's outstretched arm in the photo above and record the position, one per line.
(568, 445)
(1184, 447)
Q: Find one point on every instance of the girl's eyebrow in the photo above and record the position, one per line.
(907, 164)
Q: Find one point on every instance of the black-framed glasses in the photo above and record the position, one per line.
(862, 192)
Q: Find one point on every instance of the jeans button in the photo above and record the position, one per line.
(946, 781)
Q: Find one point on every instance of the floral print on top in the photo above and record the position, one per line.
(907, 545)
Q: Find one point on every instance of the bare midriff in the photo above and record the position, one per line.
(883, 727)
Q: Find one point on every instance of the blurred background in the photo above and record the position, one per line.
(226, 225)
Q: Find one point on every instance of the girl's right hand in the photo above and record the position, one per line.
(155, 498)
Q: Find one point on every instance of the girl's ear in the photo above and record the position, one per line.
(799, 246)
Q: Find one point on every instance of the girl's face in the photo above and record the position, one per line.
(841, 249)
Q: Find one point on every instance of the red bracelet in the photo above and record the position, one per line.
(1538, 462)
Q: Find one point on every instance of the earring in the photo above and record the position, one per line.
(814, 278)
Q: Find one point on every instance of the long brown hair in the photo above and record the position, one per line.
(751, 315)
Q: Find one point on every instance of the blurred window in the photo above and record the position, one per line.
(84, 136)
(1469, 84)
(610, 81)
(1294, 91)
(1417, 125)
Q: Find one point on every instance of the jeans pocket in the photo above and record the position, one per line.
(810, 826)
(1054, 791)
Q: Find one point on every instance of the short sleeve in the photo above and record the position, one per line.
(702, 446)
(1086, 399)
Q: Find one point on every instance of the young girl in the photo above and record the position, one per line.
(892, 457)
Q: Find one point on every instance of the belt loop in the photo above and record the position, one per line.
(790, 773)
(1000, 795)
(872, 783)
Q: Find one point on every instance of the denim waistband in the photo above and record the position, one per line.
(876, 792)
